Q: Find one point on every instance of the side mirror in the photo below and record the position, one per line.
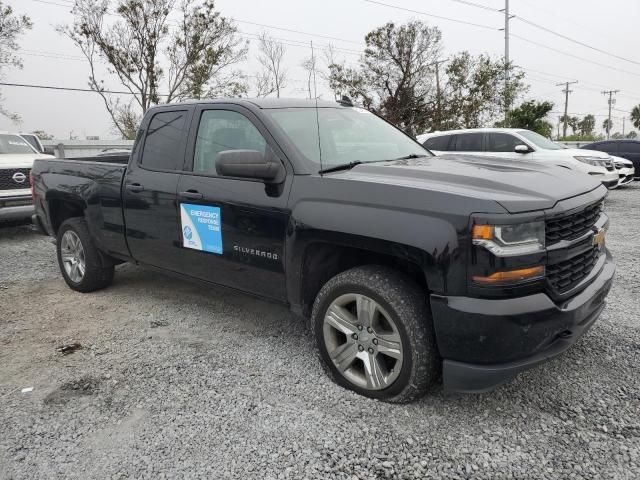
(522, 148)
(249, 164)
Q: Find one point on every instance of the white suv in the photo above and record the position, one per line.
(515, 143)
(16, 158)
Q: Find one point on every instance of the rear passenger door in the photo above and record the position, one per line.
(247, 218)
(149, 189)
(469, 143)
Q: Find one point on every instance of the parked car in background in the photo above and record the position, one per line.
(16, 159)
(629, 149)
(625, 169)
(515, 143)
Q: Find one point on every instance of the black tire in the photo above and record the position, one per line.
(96, 275)
(407, 304)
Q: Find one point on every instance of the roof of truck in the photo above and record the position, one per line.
(267, 103)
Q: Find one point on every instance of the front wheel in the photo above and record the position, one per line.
(79, 259)
(374, 334)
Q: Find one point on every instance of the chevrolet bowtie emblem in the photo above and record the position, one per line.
(598, 238)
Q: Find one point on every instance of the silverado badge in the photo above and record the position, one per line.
(598, 238)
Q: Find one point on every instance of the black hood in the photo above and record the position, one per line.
(517, 185)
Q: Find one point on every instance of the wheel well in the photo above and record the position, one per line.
(322, 261)
(61, 210)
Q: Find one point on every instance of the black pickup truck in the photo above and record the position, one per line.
(409, 266)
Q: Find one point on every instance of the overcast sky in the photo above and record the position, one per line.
(610, 26)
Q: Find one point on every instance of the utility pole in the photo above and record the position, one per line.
(438, 119)
(623, 120)
(611, 102)
(566, 92)
(559, 122)
(507, 17)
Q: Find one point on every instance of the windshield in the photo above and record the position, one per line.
(347, 135)
(540, 141)
(32, 139)
(14, 144)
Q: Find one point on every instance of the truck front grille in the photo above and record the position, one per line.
(566, 274)
(572, 226)
(10, 178)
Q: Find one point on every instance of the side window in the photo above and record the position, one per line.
(630, 147)
(221, 130)
(440, 143)
(469, 142)
(502, 142)
(609, 147)
(163, 145)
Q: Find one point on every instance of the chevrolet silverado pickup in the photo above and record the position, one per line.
(409, 267)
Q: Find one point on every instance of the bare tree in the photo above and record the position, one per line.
(11, 27)
(273, 77)
(153, 57)
(309, 64)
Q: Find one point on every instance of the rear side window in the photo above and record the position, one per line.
(630, 147)
(164, 143)
(468, 142)
(440, 143)
(609, 147)
(502, 142)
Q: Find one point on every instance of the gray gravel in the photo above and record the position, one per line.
(176, 380)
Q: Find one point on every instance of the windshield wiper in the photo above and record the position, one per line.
(342, 166)
(410, 156)
(350, 165)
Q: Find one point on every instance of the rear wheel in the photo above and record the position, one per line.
(374, 334)
(79, 259)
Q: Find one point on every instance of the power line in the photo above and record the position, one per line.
(574, 56)
(548, 30)
(70, 89)
(328, 37)
(477, 5)
(577, 42)
(488, 27)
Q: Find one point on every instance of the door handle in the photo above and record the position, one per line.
(191, 195)
(134, 187)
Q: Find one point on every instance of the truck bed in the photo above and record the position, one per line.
(93, 184)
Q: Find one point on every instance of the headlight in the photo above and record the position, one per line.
(595, 161)
(510, 240)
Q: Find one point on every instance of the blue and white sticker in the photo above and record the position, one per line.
(201, 227)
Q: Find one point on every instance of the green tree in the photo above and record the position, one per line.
(635, 116)
(587, 125)
(632, 134)
(394, 76)
(12, 26)
(530, 115)
(152, 59)
(475, 92)
(607, 125)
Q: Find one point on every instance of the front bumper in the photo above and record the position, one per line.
(608, 178)
(15, 208)
(487, 342)
(626, 176)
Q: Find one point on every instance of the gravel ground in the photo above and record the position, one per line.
(178, 381)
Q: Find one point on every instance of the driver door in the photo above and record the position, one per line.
(246, 220)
